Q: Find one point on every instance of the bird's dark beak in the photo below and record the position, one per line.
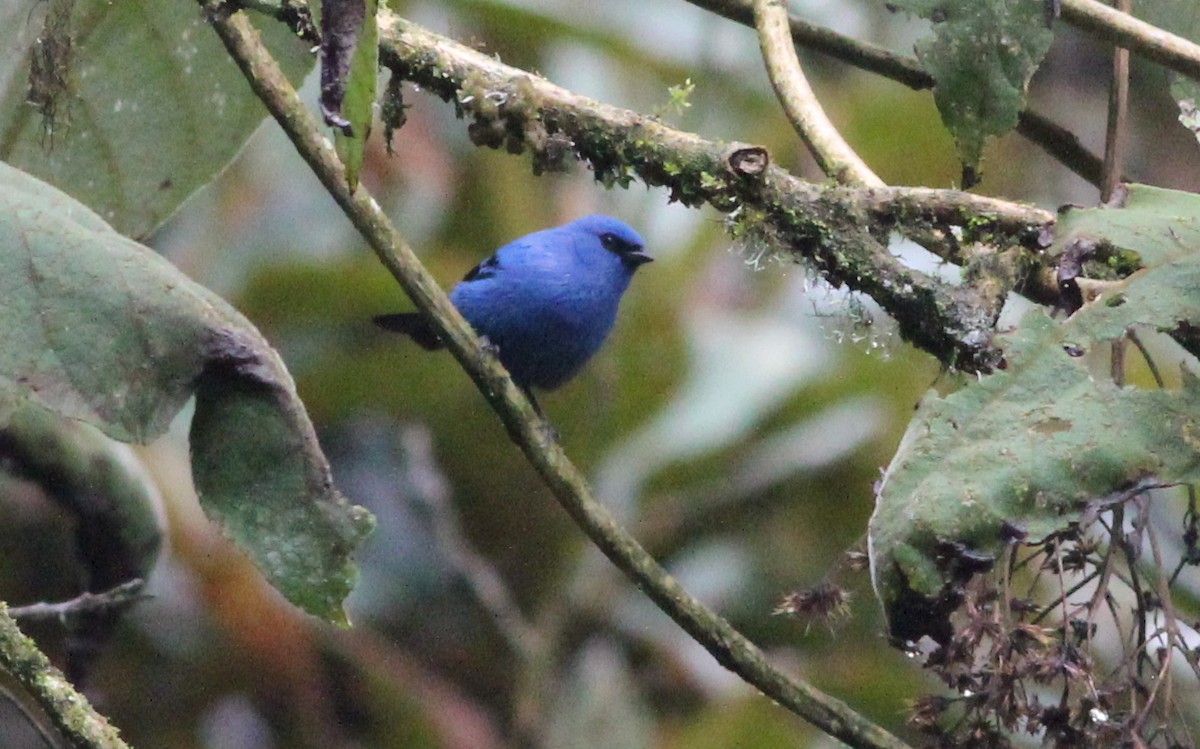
(637, 258)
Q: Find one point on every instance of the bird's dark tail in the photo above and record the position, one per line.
(414, 325)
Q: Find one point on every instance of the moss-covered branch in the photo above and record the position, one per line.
(842, 231)
(69, 710)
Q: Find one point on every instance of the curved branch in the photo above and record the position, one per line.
(1051, 137)
(1120, 29)
(833, 154)
(69, 710)
(533, 435)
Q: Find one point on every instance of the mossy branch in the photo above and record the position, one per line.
(69, 711)
(842, 231)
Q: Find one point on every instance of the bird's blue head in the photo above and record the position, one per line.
(616, 237)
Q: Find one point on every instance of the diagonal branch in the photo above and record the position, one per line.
(531, 433)
(1120, 29)
(119, 597)
(833, 154)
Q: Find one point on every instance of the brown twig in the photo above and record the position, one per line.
(1054, 139)
(1118, 105)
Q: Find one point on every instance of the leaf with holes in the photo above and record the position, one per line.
(982, 55)
(1028, 450)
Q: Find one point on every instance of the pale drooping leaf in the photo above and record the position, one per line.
(1028, 450)
(982, 55)
(135, 104)
(98, 328)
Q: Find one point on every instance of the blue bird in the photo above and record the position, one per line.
(544, 302)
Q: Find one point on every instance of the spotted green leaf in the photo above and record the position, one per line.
(982, 55)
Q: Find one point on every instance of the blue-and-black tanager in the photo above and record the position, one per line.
(544, 302)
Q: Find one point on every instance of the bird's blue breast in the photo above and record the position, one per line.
(547, 302)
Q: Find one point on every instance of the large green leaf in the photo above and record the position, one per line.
(147, 106)
(1025, 451)
(98, 328)
(982, 55)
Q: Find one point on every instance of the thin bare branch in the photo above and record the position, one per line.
(480, 575)
(123, 595)
(1118, 106)
(1054, 139)
(833, 154)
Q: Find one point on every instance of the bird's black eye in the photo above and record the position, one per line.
(610, 241)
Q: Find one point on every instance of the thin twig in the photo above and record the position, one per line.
(833, 154)
(123, 595)
(1170, 622)
(480, 575)
(1118, 105)
(862, 55)
(1190, 533)
(533, 435)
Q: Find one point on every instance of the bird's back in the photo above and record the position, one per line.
(547, 302)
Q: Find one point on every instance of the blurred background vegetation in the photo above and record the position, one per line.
(737, 420)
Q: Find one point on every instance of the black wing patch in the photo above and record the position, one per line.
(486, 269)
